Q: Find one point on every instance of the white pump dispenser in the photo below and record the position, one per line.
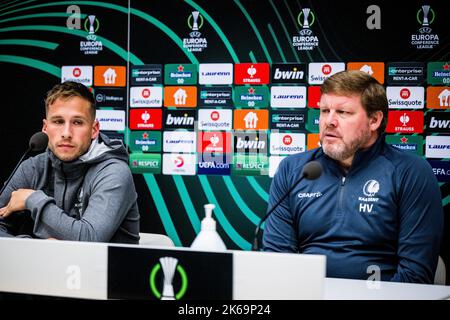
(208, 239)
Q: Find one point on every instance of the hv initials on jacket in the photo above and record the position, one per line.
(384, 215)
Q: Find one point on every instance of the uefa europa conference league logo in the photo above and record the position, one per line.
(195, 43)
(425, 39)
(307, 40)
(169, 266)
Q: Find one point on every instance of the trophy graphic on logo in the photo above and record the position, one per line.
(426, 10)
(168, 265)
(305, 17)
(91, 24)
(195, 23)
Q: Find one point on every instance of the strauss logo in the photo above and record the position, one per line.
(251, 71)
(214, 140)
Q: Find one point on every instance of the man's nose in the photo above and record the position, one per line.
(331, 119)
(67, 131)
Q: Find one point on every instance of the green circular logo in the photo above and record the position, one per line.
(200, 22)
(430, 21)
(300, 20)
(184, 281)
(87, 24)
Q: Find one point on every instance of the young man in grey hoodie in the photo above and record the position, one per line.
(81, 188)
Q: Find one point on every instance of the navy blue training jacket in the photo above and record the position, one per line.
(385, 212)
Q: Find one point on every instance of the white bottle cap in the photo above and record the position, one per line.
(208, 223)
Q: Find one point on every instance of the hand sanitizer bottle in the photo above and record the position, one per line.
(208, 239)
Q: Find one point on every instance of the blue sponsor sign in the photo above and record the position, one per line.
(214, 163)
(441, 170)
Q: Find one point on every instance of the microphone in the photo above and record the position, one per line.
(38, 142)
(311, 171)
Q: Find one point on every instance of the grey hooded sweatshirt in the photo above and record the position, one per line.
(90, 199)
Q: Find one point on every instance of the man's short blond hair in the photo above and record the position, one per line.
(67, 90)
(354, 82)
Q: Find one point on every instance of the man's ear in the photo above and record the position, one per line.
(375, 120)
(44, 125)
(95, 129)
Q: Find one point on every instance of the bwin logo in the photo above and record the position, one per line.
(250, 144)
(185, 120)
(288, 75)
(371, 188)
(441, 124)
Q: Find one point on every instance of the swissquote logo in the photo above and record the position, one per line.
(370, 190)
(319, 71)
(212, 119)
(406, 97)
(146, 97)
(287, 143)
(80, 74)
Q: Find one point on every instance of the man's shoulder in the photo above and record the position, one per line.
(36, 161)
(112, 169)
(294, 161)
(404, 159)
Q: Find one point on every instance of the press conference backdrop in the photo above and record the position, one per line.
(253, 102)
